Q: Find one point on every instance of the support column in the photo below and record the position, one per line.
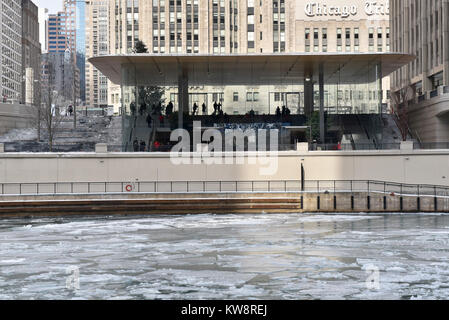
(183, 94)
(308, 92)
(322, 124)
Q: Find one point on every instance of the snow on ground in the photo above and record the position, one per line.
(14, 135)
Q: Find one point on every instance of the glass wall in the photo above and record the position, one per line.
(252, 89)
(347, 90)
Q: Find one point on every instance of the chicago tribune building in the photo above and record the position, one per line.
(251, 56)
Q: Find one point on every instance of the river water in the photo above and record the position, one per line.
(263, 256)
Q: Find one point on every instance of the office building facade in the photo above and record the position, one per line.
(61, 38)
(61, 29)
(248, 27)
(31, 53)
(421, 89)
(97, 44)
(11, 50)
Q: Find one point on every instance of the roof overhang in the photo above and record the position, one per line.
(247, 69)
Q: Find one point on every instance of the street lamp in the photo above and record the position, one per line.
(38, 110)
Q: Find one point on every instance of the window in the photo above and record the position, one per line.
(307, 34)
(256, 96)
(236, 97)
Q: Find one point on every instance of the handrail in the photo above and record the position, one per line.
(244, 186)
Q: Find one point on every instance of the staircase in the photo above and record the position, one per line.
(89, 131)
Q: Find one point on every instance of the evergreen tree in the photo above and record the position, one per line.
(140, 47)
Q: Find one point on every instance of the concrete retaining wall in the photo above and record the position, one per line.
(376, 203)
(359, 203)
(14, 116)
(401, 166)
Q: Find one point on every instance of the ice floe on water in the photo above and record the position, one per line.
(226, 257)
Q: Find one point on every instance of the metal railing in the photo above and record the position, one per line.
(431, 145)
(355, 147)
(14, 147)
(198, 187)
(372, 186)
(55, 188)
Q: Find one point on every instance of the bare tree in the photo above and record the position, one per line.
(400, 104)
(47, 113)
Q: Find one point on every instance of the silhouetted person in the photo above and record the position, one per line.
(215, 107)
(143, 108)
(278, 112)
(157, 145)
(142, 146)
(169, 109)
(70, 110)
(195, 109)
(132, 106)
(204, 108)
(283, 111)
(136, 145)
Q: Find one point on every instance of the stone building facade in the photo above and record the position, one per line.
(247, 27)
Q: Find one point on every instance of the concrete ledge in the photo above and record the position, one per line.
(156, 204)
(406, 146)
(101, 148)
(303, 147)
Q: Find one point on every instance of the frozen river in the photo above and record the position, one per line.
(226, 257)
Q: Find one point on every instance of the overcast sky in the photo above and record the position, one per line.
(53, 6)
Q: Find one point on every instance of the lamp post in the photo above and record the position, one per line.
(74, 91)
(38, 105)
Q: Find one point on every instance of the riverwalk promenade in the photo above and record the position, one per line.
(91, 199)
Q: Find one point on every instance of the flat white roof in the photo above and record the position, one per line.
(246, 69)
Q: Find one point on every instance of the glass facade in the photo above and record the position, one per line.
(346, 90)
(252, 88)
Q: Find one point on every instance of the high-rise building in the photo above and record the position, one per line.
(31, 52)
(61, 38)
(11, 49)
(80, 26)
(97, 44)
(43, 19)
(81, 46)
(251, 26)
(57, 70)
(247, 27)
(421, 89)
(61, 29)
